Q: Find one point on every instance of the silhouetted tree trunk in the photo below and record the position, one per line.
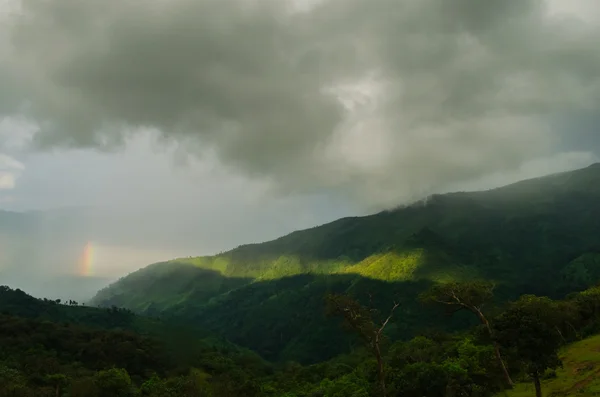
(538, 385)
(486, 323)
(378, 356)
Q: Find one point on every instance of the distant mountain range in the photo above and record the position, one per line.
(65, 287)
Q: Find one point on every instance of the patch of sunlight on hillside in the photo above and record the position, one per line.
(389, 266)
(386, 266)
(284, 266)
(579, 377)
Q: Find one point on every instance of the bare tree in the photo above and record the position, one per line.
(471, 296)
(360, 319)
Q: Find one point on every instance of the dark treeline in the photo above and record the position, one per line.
(66, 350)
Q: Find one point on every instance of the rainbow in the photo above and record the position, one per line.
(87, 260)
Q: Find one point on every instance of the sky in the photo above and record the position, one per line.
(193, 126)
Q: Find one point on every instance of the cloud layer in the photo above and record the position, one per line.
(382, 100)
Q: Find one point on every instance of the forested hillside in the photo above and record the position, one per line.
(53, 348)
(48, 348)
(538, 236)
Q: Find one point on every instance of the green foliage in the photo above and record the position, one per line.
(41, 358)
(388, 266)
(584, 271)
(586, 310)
(349, 385)
(529, 328)
(578, 377)
(460, 366)
(194, 384)
(114, 382)
(19, 303)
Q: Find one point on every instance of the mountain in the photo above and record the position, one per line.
(536, 236)
(64, 287)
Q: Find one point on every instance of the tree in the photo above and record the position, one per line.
(348, 385)
(471, 296)
(12, 382)
(197, 383)
(528, 326)
(360, 319)
(114, 382)
(587, 308)
(58, 381)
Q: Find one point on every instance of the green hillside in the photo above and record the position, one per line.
(52, 348)
(538, 236)
(178, 337)
(580, 375)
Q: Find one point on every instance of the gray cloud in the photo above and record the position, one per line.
(382, 100)
(10, 170)
(137, 198)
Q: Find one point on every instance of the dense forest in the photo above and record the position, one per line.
(51, 348)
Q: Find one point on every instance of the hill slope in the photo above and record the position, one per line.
(579, 376)
(182, 342)
(537, 236)
(54, 349)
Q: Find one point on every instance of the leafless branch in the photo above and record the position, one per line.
(387, 320)
(371, 307)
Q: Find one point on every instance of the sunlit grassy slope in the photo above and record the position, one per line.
(538, 236)
(580, 375)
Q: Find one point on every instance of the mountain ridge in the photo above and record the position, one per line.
(534, 236)
(421, 202)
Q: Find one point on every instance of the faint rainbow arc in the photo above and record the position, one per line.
(87, 260)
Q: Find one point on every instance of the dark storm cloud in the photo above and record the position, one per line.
(384, 100)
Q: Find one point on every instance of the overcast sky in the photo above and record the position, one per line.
(203, 124)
